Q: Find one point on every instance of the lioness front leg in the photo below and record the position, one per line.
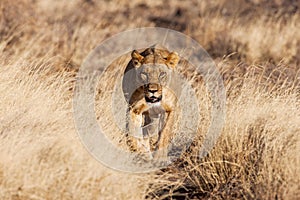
(165, 137)
(138, 141)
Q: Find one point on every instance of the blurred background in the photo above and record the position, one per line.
(247, 30)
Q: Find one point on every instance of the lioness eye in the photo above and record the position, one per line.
(162, 74)
(144, 76)
(135, 62)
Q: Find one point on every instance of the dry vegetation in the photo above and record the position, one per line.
(256, 45)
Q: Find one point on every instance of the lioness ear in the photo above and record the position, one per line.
(172, 60)
(136, 58)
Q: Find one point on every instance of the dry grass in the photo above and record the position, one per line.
(256, 46)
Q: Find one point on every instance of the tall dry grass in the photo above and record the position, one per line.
(256, 156)
(256, 46)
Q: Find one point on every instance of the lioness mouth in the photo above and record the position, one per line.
(153, 99)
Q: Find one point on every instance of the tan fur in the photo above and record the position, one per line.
(152, 70)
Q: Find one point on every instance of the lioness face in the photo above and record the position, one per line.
(154, 72)
(153, 77)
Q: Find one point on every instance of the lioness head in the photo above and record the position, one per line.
(154, 71)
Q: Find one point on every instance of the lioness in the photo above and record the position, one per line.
(151, 103)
